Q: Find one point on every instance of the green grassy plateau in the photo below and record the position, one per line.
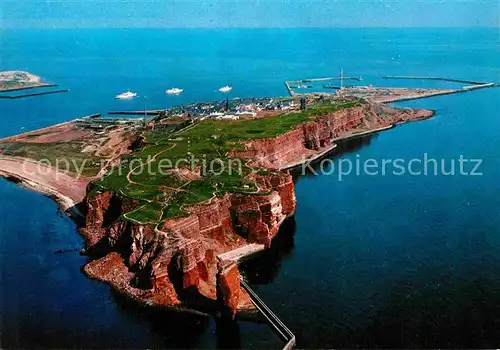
(162, 192)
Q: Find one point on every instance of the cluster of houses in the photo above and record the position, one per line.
(239, 108)
(233, 109)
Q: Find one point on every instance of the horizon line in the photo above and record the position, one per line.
(250, 27)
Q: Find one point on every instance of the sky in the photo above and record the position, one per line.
(247, 13)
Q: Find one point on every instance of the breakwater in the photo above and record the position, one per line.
(279, 327)
(326, 79)
(441, 93)
(295, 84)
(10, 97)
(41, 86)
(453, 80)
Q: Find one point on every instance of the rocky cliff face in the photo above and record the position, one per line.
(316, 136)
(176, 261)
(228, 289)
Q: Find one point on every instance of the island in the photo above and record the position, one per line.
(14, 83)
(169, 205)
(19, 80)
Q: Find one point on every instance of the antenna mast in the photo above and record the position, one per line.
(341, 78)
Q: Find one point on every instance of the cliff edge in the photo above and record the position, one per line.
(157, 238)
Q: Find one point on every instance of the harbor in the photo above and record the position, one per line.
(385, 94)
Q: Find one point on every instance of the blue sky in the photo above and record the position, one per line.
(248, 13)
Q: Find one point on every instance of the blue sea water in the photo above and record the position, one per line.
(370, 261)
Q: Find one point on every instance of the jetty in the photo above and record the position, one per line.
(325, 79)
(236, 256)
(33, 94)
(279, 327)
(39, 86)
(290, 90)
(299, 84)
(453, 80)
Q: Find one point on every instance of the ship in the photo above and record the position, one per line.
(126, 95)
(225, 89)
(174, 91)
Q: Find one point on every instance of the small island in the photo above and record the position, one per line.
(19, 80)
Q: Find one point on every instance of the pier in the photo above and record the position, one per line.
(326, 79)
(34, 94)
(480, 86)
(279, 327)
(236, 256)
(37, 86)
(290, 90)
(296, 84)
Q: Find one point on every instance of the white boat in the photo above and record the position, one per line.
(174, 91)
(126, 95)
(225, 89)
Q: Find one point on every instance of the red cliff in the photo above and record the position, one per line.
(228, 288)
(160, 264)
(176, 261)
(319, 135)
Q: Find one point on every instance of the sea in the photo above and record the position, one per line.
(369, 260)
